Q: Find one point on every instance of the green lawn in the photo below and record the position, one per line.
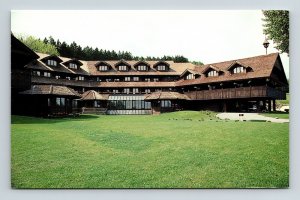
(280, 115)
(174, 150)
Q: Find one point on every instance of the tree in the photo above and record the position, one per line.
(39, 46)
(197, 63)
(276, 27)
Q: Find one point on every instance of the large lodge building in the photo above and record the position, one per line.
(45, 85)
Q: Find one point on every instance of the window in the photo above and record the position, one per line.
(147, 79)
(51, 62)
(147, 91)
(136, 78)
(239, 69)
(212, 73)
(68, 77)
(98, 79)
(190, 76)
(57, 77)
(156, 79)
(117, 80)
(72, 66)
(81, 78)
(161, 68)
(97, 104)
(126, 90)
(103, 68)
(108, 80)
(122, 68)
(47, 74)
(135, 90)
(166, 104)
(115, 91)
(36, 73)
(60, 101)
(142, 68)
(127, 78)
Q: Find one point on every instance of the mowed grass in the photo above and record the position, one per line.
(280, 115)
(187, 149)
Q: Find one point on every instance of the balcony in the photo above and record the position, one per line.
(66, 82)
(237, 93)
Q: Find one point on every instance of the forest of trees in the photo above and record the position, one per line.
(74, 50)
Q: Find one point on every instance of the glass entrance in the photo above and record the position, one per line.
(120, 104)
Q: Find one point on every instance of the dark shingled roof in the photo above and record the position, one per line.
(51, 90)
(93, 95)
(166, 95)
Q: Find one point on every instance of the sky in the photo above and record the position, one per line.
(208, 36)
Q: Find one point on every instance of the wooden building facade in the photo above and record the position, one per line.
(147, 87)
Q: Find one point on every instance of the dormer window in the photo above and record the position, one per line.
(103, 68)
(212, 73)
(161, 68)
(142, 68)
(52, 62)
(190, 76)
(123, 68)
(239, 69)
(73, 66)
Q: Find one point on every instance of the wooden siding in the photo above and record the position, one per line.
(236, 93)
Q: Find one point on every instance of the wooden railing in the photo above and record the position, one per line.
(236, 93)
(47, 80)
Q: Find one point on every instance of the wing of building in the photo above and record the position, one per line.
(146, 87)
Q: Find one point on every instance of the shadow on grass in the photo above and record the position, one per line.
(17, 119)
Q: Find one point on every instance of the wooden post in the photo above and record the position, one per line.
(264, 104)
(274, 105)
(269, 105)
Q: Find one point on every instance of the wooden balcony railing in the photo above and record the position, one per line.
(236, 93)
(47, 80)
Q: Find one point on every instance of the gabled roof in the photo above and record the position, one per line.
(55, 57)
(161, 62)
(123, 62)
(211, 67)
(61, 67)
(73, 60)
(92, 95)
(236, 62)
(101, 63)
(189, 71)
(166, 96)
(262, 68)
(141, 62)
(20, 53)
(51, 90)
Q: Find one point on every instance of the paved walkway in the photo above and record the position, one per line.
(249, 116)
